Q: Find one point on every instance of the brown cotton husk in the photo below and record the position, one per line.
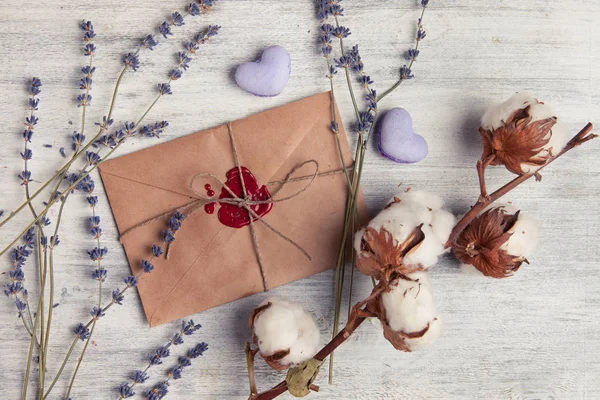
(479, 244)
(381, 255)
(274, 359)
(398, 339)
(518, 141)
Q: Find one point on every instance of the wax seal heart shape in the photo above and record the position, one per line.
(267, 76)
(236, 216)
(397, 140)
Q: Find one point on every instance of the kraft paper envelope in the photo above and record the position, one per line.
(209, 263)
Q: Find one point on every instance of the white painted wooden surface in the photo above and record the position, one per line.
(535, 336)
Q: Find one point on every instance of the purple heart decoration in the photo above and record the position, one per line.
(267, 76)
(397, 140)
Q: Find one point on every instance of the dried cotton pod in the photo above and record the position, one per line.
(407, 312)
(406, 236)
(521, 134)
(285, 333)
(497, 242)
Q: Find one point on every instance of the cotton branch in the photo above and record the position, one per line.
(485, 200)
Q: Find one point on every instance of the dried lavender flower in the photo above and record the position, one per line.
(99, 274)
(132, 61)
(97, 313)
(157, 250)
(149, 42)
(154, 130)
(130, 281)
(117, 297)
(147, 266)
(81, 332)
(164, 88)
(97, 253)
(84, 100)
(125, 391)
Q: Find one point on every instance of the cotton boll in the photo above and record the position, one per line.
(409, 306)
(539, 111)
(557, 139)
(280, 326)
(404, 213)
(505, 207)
(423, 198)
(496, 242)
(506, 132)
(407, 313)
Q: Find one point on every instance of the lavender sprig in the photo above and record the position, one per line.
(160, 390)
(20, 253)
(16, 287)
(85, 84)
(185, 57)
(412, 54)
(130, 282)
(30, 122)
(140, 376)
(99, 274)
(176, 19)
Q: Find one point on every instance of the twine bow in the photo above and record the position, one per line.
(246, 202)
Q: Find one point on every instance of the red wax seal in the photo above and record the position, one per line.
(210, 208)
(238, 217)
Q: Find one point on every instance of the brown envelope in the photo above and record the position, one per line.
(209, 263)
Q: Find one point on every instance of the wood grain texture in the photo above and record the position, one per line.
(534, 336)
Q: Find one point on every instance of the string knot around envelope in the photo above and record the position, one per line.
(246, 202)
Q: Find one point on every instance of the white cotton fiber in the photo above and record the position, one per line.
(524, 237)
(286, 325)
(524, 233)
(410, 308)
